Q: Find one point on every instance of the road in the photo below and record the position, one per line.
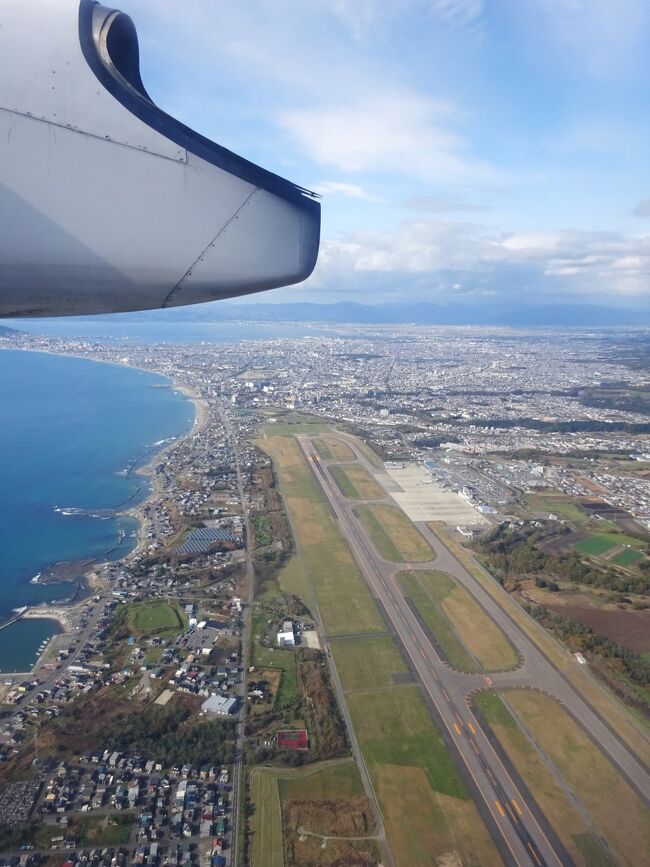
(518, 827)
(238, 782)
(81, 636)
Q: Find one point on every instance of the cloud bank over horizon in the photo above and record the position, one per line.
(462, 148)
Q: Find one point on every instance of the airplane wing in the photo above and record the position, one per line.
(107, 203)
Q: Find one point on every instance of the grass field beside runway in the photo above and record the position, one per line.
(477, 631)
(356, 483)
(343, 598)
(333, 449)
(564, 817)
(323, 449)
(393, 535)
(367, 663)
(616, 810)
(441, 627)
(427, 810)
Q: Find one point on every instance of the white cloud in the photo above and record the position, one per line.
(545, 263)
(401, 132)
(338, 188)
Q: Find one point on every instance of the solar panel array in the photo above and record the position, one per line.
(200, 541)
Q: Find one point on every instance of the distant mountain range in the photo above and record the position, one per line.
(559, 315)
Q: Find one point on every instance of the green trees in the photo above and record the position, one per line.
(514, 551)
(164, 734)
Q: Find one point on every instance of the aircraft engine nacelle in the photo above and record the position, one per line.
(107, 203)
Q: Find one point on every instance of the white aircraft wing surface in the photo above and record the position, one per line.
(107, 203)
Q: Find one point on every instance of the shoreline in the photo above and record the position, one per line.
(89, 579)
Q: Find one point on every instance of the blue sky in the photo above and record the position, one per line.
(492, 151)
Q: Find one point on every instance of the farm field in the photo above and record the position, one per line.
(325, 782)
(599, 543)
(557, 504)
(574, 833)
(478, 632)
(267, 843)
(630, 629)
(621, 817)
(367, 663)
(628, 557)
(325, 799)
(426, 807)
(344, 602)
(356, 483)
(393, 535)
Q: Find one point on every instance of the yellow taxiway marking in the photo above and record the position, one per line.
(517, 807)
(457, 730)
(471, 728)
(535, 855)
(500, 809)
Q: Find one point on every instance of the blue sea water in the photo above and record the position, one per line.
(69, 429)
(122, 330)
(22, 643)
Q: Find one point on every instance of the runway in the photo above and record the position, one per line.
(517, 825)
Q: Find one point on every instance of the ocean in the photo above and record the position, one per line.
(117, 330)
(70, 430)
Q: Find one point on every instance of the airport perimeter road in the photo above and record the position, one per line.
(519, 835)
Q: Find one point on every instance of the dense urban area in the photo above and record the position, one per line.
(389, 605)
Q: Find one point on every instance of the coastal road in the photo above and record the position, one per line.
(520, 829)
(81, 637)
